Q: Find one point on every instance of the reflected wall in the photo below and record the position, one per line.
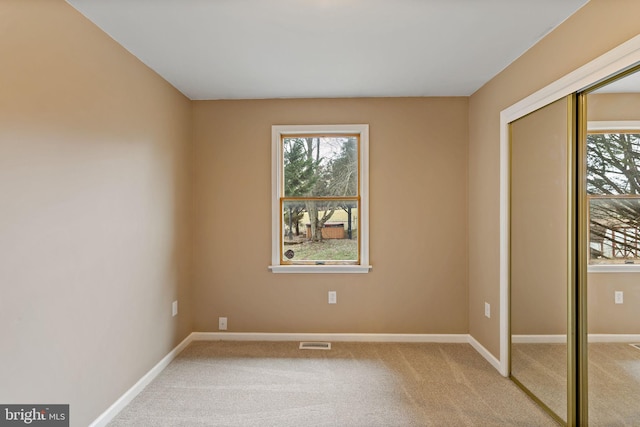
(540, 190)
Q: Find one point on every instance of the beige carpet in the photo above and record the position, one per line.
(614, 385)
(542, 368)
(354, 384)
(614, 380)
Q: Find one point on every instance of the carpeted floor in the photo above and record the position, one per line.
(614, 385)
(542, 368)
(614, 380)
(353, 384)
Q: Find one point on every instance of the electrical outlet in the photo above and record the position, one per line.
(174, 308)
(333, 297)
(222, 323)
(619, 297)
(487, 310)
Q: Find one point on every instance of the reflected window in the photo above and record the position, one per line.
(613, 187)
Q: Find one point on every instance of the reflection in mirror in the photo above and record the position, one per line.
(540, 254)
(613, 280)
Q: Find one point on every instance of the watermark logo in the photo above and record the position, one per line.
(34, 415)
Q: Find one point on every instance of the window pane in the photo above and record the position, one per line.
(613, 163)
(614, 230)
(320, 231)
(320, 166)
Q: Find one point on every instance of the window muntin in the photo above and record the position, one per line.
(320, 199)
(613, 187)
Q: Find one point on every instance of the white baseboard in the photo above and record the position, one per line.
(613, 338)
(539, 339)
(263, 336)
(500, 367)
(561, 339)
(130, 394)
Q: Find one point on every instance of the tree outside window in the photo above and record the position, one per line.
(320, 199)
(613, 187)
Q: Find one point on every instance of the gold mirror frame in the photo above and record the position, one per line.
(570, 283)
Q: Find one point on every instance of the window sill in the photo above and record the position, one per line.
(320, 268)
(616, 268)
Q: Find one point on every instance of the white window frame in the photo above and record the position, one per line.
(612, 126)
(277, 159)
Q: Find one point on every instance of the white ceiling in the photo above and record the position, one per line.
(627, 84)
(229, 49)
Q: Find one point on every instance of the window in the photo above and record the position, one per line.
(614, 229)
(320, 220)
(613, 188)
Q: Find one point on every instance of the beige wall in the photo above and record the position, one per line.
(613, 106)
(418, 157)
(606, 317)
(93, 212)
(571, 45)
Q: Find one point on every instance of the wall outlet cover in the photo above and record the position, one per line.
(333, 297)
(619, 297)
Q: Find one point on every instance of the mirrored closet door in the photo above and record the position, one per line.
(574, 254)
(541, 212)
(610, 129)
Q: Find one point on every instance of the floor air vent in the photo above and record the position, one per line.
(637, 346)
(315, 346)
